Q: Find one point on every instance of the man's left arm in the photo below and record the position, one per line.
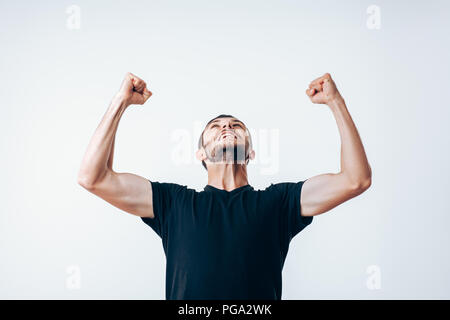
(323, 192)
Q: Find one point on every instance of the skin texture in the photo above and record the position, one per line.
(222, 133)
(133, 194)
(126, 191)
(326, 191)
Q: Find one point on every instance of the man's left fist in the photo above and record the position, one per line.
(323, 90)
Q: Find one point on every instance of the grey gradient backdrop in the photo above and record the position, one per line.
(251, 59)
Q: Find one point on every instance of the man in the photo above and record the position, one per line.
(228, 241)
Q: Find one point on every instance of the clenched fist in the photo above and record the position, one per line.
(133, 90)
(323, 90)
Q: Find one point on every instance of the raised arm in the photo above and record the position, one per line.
(326, 191)
(125, 191)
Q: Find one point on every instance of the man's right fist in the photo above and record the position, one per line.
(133, 90)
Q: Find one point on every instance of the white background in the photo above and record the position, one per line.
(251, 59)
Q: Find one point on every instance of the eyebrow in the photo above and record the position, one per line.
(234, 121)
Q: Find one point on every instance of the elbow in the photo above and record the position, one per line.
(366, 184)
(368, 181)
(90, 181)
(362, 185)
(85, 183)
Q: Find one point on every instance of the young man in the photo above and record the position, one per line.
(228, 241)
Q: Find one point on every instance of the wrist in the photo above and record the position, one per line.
(120, 100)
(335, 102)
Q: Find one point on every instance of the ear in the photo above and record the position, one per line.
(251, 155)
(200, 154)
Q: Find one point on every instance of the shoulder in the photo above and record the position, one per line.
(163, 184)
(170, 187)
(282, 187)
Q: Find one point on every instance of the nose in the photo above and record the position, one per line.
(228, 125)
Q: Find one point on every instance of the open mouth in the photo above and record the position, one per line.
(226, 135)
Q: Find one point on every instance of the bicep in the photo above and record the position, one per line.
(126, 191)
(323, 192)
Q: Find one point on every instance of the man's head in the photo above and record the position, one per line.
(225, 139)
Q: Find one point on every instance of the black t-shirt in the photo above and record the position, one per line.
(226, 244)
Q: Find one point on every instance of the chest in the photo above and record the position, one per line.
(224, 221)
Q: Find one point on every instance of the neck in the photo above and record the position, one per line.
(227, 176)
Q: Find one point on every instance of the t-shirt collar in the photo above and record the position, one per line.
(214, 189)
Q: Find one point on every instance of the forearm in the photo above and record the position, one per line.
(99, 154)
(111, 153)
(354, 162)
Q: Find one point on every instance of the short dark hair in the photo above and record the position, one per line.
(200, 141)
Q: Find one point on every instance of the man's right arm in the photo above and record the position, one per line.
(126, 191)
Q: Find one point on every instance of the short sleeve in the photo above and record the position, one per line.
(289, 209)
(163, 197)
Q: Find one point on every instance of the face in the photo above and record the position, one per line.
(226, 140)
